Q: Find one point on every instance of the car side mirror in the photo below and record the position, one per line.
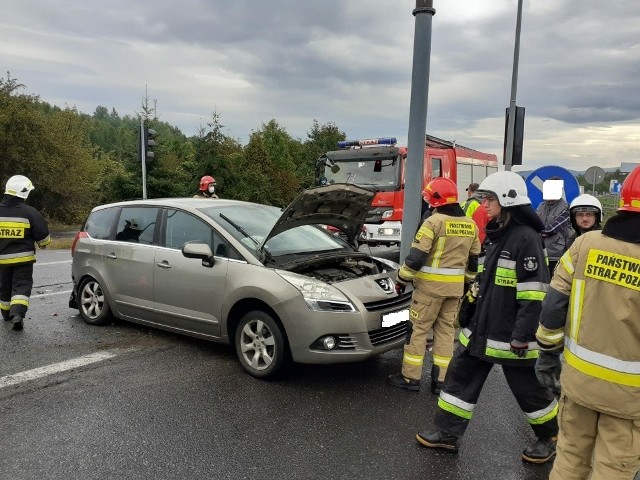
(195, 249)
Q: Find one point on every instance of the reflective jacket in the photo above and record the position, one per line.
(440, 255)
(593, 309)
(20, 226)
(513, 280)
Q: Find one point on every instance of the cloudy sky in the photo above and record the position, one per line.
(348, 62)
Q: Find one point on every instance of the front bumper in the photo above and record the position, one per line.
(386, 233)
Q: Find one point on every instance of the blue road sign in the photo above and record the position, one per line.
(536, 178)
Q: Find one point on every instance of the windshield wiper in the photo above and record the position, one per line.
(238, 228)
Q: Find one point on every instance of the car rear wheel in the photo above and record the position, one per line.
(92, 303)
(260, 345)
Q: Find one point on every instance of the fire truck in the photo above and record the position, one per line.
(379, 164)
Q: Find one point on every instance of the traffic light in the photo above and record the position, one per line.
(149, 136)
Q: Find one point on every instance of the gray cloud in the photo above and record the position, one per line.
(347, 61)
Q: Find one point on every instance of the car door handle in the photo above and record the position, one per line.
(163, 264)
(111, 255)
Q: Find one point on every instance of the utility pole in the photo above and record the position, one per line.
(143, 159)
(423, 13)
(511, 124)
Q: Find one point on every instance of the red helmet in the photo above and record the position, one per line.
(205, 182)
(630, 193)
(440, 191)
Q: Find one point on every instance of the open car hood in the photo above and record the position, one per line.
(341, 205)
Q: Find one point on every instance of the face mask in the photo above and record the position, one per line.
(211, 189)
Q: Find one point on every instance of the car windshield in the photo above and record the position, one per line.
(251, 223)
(366, 172)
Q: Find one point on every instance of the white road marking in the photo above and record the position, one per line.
(49, 294)
(40, 264)
(40, 372)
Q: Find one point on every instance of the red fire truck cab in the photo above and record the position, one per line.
(379, 164)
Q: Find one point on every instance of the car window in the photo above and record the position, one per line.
(137, 224)
(100, 222)
(181, 227)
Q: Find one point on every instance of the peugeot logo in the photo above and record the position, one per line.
(385, 284)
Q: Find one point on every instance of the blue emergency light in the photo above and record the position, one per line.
(367, 142)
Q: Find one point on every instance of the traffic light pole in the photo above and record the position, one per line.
(423, 13)
(511, 125)
(143, 159)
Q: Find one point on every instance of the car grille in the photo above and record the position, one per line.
(389, 334)
(397, 303)
(346, 342)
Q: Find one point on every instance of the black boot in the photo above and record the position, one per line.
(17, 322)
(436, 385)
(540, 451)
(398, 380)
(440, 440)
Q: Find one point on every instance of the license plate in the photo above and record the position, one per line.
(390, 319)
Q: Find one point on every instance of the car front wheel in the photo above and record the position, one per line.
(260, 345)
(92, 303)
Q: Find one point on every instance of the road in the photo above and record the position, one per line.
(139, 403)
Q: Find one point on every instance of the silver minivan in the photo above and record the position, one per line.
(276, 284)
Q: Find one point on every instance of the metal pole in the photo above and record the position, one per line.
(423, 13)
(143, 160)
(511, 125)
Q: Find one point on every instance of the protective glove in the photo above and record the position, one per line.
(401, 285)
(519, 348)
(548, 367)
(468, 305)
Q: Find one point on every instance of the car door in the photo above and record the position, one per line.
(189, 295)
(129, 262)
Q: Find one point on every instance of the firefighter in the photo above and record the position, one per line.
(585, 213)
(20, 226)
(591, 312)
(472, 209)
(513, 279)
(443, 248)
(207, 188)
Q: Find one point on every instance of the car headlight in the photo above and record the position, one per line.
(318, 295)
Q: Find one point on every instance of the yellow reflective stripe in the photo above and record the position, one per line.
(20, 301)
(45, 241)
(413, 359)
(4, 306)
(598, 371)
(406, 273)
(530, 295)
(11, 261)
(480, 268)
(457, 411)
(437, 255)
(506, 277)
(465, 333)
(496, 353)
(543, 416)
(550, 337)
(426, 232)
(441, 361)
(441, 278)
(575, 307)
(566, 262)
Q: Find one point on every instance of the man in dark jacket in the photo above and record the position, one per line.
(554, 213)
(513, 280)
(20, 227)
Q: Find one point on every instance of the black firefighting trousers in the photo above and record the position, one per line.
(16, 282)
(464, 381)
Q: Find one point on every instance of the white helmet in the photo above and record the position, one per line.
(19, 186)
(509, 187)
(586, 203)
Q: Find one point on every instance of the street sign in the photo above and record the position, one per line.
(594, 175)
(536, 178)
